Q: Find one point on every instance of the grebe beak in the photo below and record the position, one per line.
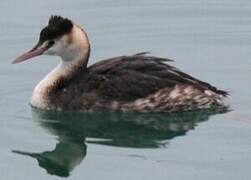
(36, 51)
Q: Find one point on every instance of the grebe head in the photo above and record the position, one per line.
(61, 37)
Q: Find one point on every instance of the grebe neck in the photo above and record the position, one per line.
(73, 61)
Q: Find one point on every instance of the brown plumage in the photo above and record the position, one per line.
(135, 83)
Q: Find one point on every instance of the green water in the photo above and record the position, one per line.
(74, 131)
(208, 39)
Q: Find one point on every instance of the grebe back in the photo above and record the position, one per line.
(138, 82)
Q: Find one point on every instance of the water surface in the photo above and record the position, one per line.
(208, 39)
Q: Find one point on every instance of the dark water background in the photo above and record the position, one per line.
(208, 39)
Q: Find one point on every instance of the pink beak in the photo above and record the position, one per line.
(30, 54)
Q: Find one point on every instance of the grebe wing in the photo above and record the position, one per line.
(127, 78)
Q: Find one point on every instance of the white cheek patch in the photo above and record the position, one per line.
(64, 41)
(72, 46)
(59, 47)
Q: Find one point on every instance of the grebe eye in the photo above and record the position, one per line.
(51, 43)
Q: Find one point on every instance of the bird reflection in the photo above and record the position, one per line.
(134, 130)
(60, 161)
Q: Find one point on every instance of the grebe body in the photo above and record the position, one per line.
(139, 82)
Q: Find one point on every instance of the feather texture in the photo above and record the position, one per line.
(135, 83)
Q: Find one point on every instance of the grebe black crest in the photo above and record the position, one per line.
(137, 82)
(57, 27)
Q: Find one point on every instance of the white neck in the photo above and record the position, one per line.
(74, 58)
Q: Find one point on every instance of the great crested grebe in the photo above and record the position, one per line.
(138, 82)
